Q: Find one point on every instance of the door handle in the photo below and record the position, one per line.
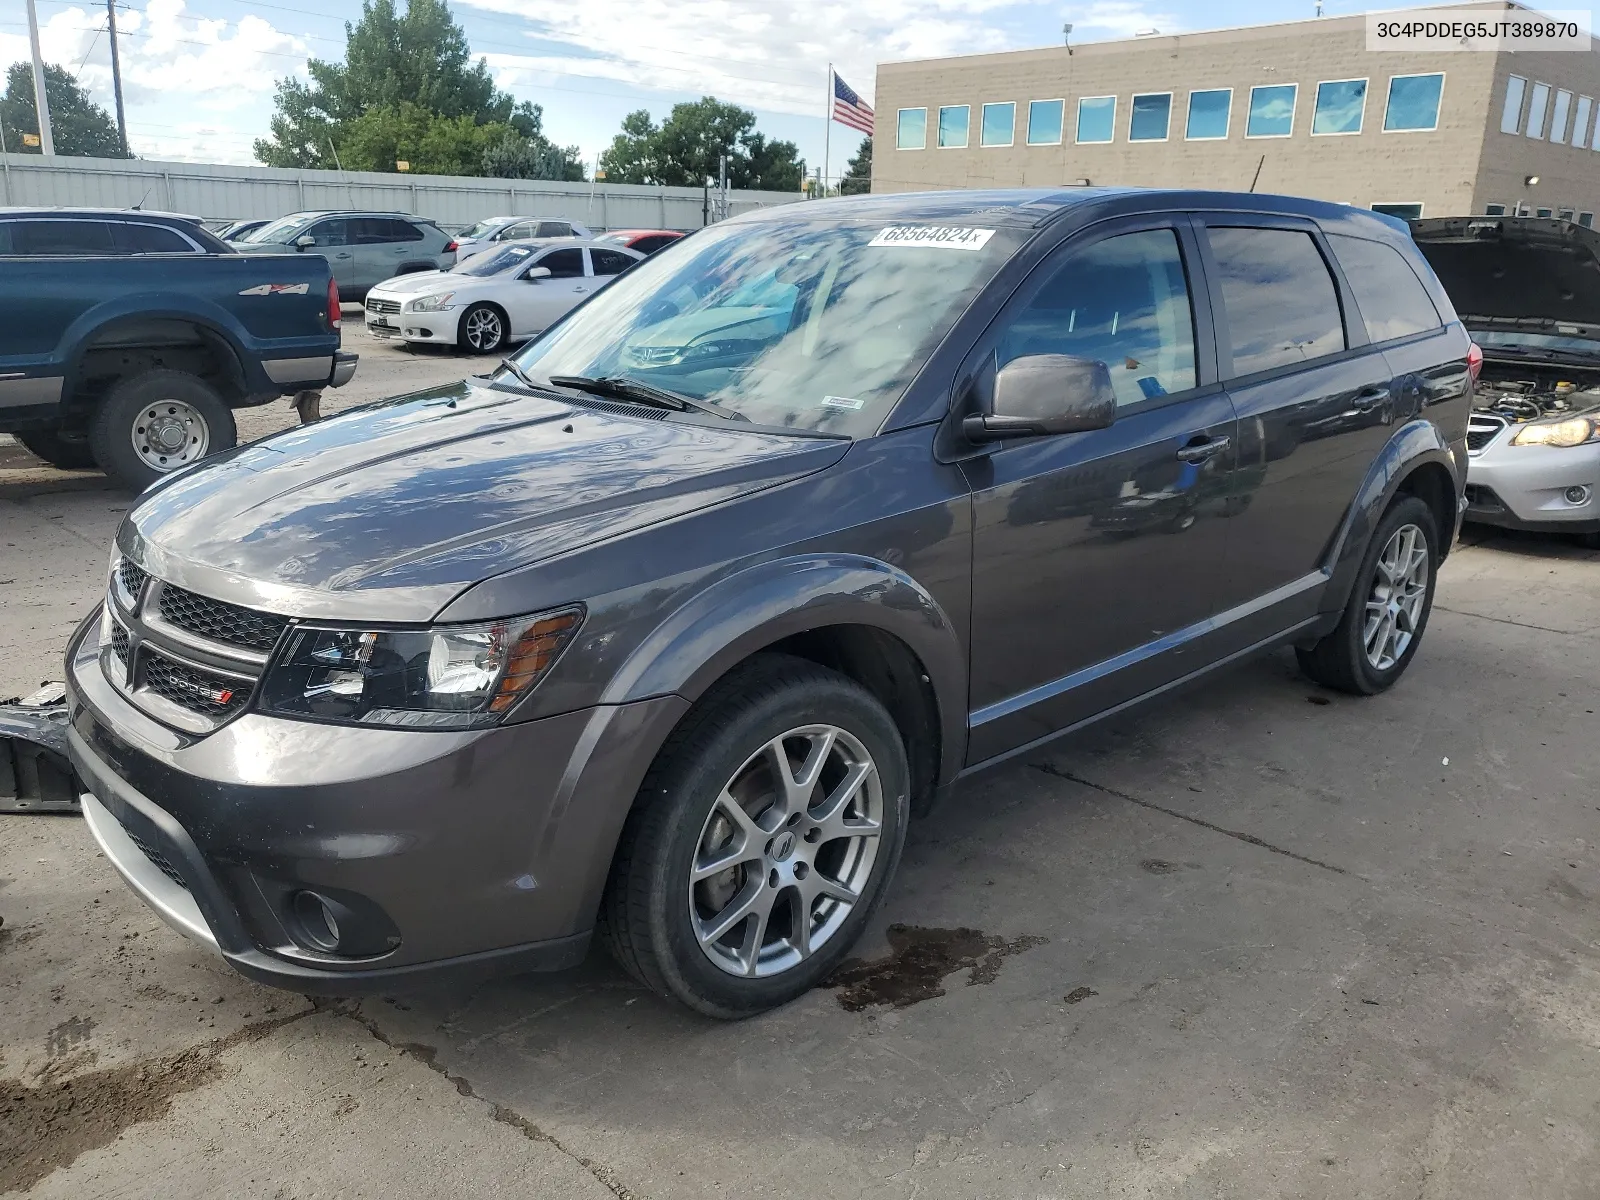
(343, 254)
(1197, 452)
(1370, 398)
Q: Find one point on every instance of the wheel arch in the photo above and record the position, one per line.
(129, 345)
(505, 320)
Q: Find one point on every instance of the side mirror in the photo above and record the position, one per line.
(537, 273)
(305, 240)
(1043, 394)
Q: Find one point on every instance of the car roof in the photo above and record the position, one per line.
(102, 213)
(355, 212)
(540, 243)
(612, 233)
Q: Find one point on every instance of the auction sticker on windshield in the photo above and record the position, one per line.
(938, 237)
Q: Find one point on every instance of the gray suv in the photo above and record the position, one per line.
(668, 628)
(365, 248)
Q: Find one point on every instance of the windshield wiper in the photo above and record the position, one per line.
(507, 365)
(620, 387)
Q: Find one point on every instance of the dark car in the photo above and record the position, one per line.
(671, 626)
(645, 241)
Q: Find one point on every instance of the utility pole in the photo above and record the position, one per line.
(116, 73)
(46, 142)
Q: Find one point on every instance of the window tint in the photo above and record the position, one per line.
(1271, 111)
(1150, 117)
(999, 123)
(149, 239)
(522, 229)
(554, 229)
(1044, 122)
(1281, 303)
(1340, 105)
(649, 245)
(5, 238)
(1097, 118)
(609, 262)
(1123, 302)
(911, 129)
(564, 264)
(63, 237)
(395, 230)
(1414, 103)
(1208, 114)
(953, 120)
(330, 233)
(1392, 300)
(1511, 114)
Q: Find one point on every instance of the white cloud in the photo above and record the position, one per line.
(1119, 19)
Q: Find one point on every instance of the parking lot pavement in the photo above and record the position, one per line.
(1257, 940)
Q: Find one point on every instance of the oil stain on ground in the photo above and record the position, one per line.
(918, 962)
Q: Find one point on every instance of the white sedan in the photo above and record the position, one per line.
(507, 294)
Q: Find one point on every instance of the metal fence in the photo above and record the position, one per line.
(236, 193)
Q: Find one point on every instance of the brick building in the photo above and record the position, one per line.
(1303, 104)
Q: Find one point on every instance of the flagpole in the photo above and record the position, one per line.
(827, 132)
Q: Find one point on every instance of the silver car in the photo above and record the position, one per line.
(1526, 289)
(492, 231)
(365, 248)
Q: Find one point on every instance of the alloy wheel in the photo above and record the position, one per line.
(170, 434)
(786, 851)
(1399, 587)
(484, 329)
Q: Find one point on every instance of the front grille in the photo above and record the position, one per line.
(132, 577)
(119, 643)
(1482, 430)
(158, 859)
(220, 621)
(213, 696)
(375, 305)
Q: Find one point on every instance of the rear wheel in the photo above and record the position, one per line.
(59, 448)
(152, 424)
(1382, 626)
(483, 329)
(762, 841)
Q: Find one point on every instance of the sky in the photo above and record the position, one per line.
(198, 75)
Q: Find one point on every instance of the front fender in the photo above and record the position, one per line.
(742, 613)
(1413, 445)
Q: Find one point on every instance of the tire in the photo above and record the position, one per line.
(142, 409)
(1343, 660)
(482, 329)
(653, 918)
(60, 449)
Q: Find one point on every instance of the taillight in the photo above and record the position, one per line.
(1474, 360)
(453, 245)
(333, 304)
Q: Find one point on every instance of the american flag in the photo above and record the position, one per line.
(849, 108)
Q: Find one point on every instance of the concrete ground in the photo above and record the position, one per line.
(1258, 940)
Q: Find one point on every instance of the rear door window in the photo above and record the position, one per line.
(1392, 300)
(554, 229)
(1280, 298)
(393, 229)
(609, 262)
(63, 237)
(149, 239)
(564, 264)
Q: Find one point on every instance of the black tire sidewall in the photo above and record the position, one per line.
(461, 336)
(691, 790)
(70, 453)
(110, 433)
(1409, 511)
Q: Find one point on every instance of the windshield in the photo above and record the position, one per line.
(488, 225)
(808, 325)
(496, 262)
(275, 231)
(1491, 339)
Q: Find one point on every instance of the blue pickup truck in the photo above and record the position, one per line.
(127, 338)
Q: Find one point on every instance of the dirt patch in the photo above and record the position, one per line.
(918, 962)
(1158, 866)
(1079, 994)
(44, 1128)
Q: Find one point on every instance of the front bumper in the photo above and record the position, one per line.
(1525, 487)
(437, 327)
(465, 853)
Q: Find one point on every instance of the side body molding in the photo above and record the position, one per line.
(741, 613)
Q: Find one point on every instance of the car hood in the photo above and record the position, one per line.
(389, 512)
(422, 282)
(1527, 274)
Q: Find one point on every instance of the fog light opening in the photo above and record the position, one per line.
(317, 920)
(1577, 494)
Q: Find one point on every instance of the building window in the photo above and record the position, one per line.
(1580, 126)
(1564, 213)
(1522, 209)
(911, 129)
(1150, 117)
(1044, 122)
(1536, 106)
(999, 125)
(953, 121)
(1271, 110)
(1586, 220)
(1494, 210)
(1558, 117)
(1511, 114)
(1541, 212)
(1413, 103)
(1340, 106)
(1097, 118)
(1411, 212)
(1208, 115)
(1595, 145)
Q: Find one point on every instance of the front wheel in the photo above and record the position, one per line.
(152, 424)
(763, 839)
(1382, 626)
(483, 329)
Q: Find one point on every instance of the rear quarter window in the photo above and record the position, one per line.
(1393, 301)
(62, 238)
(1281, 303)
(133, 238)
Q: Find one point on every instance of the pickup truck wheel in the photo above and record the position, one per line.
(762, 841)
(483, 329)
(1382, 626)
(69, 451)
(151, 424)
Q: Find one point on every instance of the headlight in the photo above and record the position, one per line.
(432, 303)
(448, 677)
(1574, 431)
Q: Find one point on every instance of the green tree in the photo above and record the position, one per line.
(686, 149)
(404, 74)
(857, 176)
(79, 127)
